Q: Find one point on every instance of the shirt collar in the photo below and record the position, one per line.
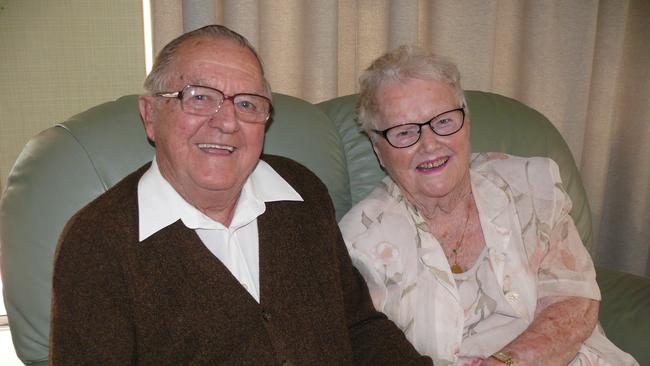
(159, 205)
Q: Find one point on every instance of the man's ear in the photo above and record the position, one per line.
(147, 112)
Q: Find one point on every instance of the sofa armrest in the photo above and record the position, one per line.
(625, 311)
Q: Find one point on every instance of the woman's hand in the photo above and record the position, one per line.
(474, 361)
(554, 337)
(493, 362)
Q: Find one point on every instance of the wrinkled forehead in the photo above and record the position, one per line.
(415, 90)
(412, 100)
(197, 57)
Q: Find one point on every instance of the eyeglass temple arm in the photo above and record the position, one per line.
(169, 94)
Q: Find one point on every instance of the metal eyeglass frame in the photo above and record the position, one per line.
(179, 95)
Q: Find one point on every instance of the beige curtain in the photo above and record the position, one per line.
(585, 64)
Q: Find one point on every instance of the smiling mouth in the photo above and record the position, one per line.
(208, 147)
(433, 164)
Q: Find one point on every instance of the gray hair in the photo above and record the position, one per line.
(158, 78)
(397, 65)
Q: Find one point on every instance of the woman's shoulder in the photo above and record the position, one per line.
(533, 175)
(502, 161)
(384, 200)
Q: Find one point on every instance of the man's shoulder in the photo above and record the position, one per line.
(301, 178)
(118, 203)
(285, 166)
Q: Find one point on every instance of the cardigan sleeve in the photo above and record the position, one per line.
(91, 310)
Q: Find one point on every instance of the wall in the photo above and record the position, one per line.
(59, 57)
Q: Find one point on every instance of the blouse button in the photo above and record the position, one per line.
(512, 296)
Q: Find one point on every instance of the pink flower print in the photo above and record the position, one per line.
(385, 253)
(568, 259)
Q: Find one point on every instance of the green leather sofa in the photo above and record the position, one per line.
(66, 166)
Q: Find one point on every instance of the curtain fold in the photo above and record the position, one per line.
(623, 220)
(584, 64)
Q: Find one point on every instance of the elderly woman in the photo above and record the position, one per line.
(475, 257)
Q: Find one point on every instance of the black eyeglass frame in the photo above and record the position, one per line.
(179, 95)
(384, 133)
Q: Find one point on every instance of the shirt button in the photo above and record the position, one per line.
(512, 296)
(266, 315)
(287, 363)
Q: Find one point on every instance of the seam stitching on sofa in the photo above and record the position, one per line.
(92, 163)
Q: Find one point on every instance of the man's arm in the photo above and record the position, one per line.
(374, 339)
(90, 306)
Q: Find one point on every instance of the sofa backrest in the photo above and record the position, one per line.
(499, 124)
(66, 166)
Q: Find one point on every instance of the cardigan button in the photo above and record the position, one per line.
(266, 315)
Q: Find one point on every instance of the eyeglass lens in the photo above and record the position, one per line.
(408, 134)
(205, 101)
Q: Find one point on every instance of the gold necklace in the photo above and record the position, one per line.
(457, 268)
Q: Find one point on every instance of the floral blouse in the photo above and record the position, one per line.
(533, 250)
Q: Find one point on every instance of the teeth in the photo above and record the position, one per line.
(216, 146)
(433, 164)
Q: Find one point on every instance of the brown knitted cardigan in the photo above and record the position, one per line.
(169, 301)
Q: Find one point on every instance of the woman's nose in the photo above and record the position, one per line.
(428, 139)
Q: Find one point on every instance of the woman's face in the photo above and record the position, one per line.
(436, 165)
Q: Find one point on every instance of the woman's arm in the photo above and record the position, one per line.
(554, 337)
(566, 314)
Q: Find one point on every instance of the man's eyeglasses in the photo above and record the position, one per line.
(408, 134)
(206, 101)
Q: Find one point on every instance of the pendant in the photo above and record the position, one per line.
(456, 268)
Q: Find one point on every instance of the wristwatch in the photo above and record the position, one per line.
(505, 358)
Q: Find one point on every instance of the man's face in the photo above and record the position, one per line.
(206, 159)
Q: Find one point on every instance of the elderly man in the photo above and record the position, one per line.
(210, 255)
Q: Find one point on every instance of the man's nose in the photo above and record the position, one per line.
(225, 118)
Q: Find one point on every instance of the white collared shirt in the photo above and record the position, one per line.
(236, 246)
